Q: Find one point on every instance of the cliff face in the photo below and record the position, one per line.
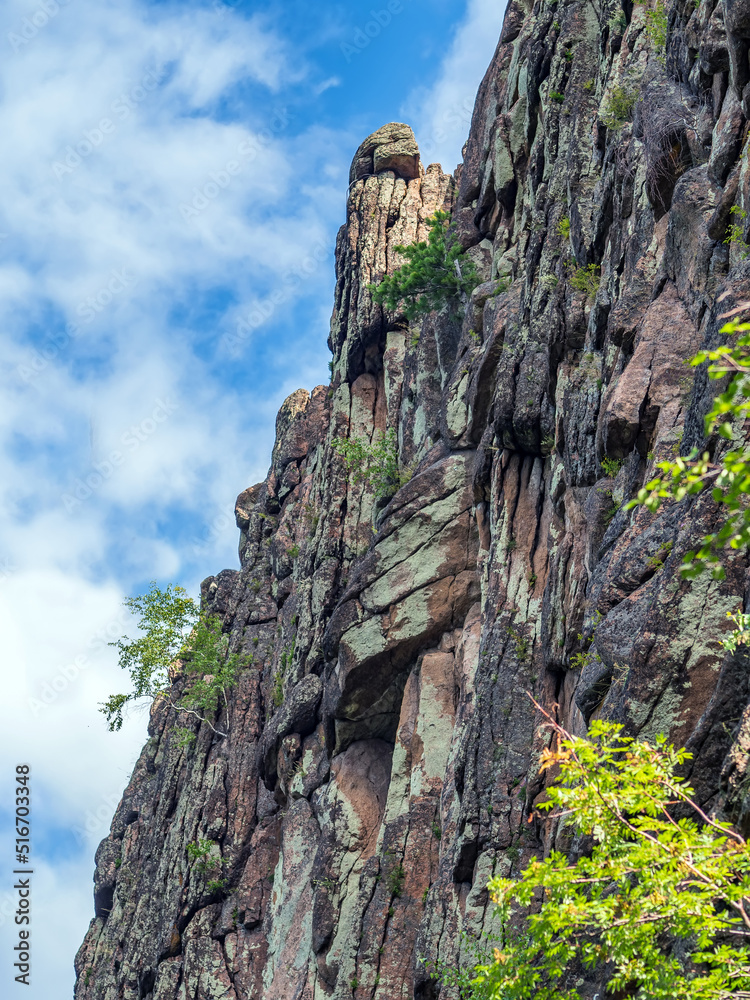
(381, 762)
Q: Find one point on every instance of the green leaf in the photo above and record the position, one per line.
(727, 478)
(172, 629)
(652, 886)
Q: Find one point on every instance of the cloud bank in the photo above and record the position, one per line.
(171, 200)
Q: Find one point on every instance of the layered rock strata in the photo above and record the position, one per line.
(382, 757)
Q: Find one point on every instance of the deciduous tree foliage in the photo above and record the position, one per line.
(375, 464)
(729, 476)
(660, 907)
(173, 629)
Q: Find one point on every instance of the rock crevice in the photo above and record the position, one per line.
(382, 761)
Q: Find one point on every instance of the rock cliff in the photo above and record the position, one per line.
(382, 755)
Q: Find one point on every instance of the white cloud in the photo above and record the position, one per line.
(57, 668)
(154, 197)
(124, 217)
(441, 114)
(332, 81)
(107, 139)
(114, 115)
(60, 889)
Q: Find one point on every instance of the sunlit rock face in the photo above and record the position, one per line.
(382, 753)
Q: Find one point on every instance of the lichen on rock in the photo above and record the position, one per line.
(382, 759)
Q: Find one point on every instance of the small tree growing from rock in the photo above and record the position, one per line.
(174, 630)
(658, 906)
(375, 464)
(438, 273)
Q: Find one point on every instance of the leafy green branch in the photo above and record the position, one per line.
(376, 464)
(660, 906)
(736, 232)
(174, 631)
(437, 273)
(739, 636)
(729, 477)
(395, 875)
(619, 107)
(585, 279)
(205, 858)
(657, 23)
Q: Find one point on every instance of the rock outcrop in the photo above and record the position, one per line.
(382, 757)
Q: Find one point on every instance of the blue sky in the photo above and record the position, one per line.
(173, 179)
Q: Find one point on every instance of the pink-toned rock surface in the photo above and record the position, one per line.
(382, 757)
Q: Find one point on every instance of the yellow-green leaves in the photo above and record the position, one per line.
(374, 463)
(173, 629)
(657, 22)
(165, 618)
(736, 233)
(619, 107)
(584, 279)
(660, 907)
(739, 636)
(729, 478)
